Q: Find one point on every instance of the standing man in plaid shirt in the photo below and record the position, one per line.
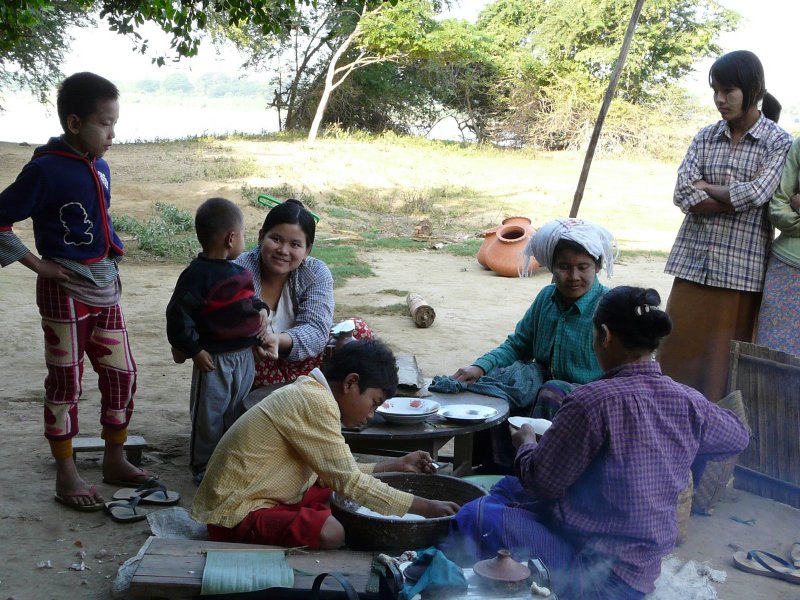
(725, 182)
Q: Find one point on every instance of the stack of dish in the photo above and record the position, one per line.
(407, 410)
(467, 413)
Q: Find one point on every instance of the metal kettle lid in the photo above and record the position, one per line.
(502, 568)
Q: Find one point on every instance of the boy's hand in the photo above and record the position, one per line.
(203, 361)
(52, 270)
(178, 356)
(433, 508)
(415, 462)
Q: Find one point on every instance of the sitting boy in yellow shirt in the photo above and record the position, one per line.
(271, 476)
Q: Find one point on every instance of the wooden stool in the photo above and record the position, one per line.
(133, 447)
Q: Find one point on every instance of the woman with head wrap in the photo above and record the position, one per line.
(556, 331)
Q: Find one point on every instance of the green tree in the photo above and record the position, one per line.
(560, 53)
(34, 32)
(33, 41)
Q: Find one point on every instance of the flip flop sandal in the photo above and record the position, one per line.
(540, 575)
(124, 511)
(151, 481)
(70, 500)
(794, 554)
(763, 563)
(158, 494)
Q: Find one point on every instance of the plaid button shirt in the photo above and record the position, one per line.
(616, 458)
(728, 250)
(558, 339)
(311, 288)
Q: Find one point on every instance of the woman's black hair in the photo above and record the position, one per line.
(371, 360)
(294, 213)
(570, 245)
(633, 315)
(743, 70)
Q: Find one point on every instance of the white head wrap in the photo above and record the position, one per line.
(596, 240)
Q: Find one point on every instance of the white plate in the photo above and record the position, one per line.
(539, 425)
(407, 410)
(467, 413)
(406, 419)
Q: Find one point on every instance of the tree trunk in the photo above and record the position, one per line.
(329, 86)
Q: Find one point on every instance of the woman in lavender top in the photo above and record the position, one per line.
(596, 498)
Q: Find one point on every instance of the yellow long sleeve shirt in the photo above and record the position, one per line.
(277, 450)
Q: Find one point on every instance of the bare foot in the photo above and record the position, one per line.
(117, 468)
(71, 487)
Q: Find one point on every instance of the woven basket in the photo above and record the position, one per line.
(718, 473)
(364, 532)
(684, 511)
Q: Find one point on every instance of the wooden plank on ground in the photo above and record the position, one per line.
(173, 568)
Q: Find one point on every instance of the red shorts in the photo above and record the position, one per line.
(287, 525)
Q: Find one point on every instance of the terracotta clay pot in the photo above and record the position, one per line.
(521, 221)
(502, 573)
(502, 255)
(488, 238)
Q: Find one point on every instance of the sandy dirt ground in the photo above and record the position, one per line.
(475, 310)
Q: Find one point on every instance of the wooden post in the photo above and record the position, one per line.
(422, 312)
(598, 126)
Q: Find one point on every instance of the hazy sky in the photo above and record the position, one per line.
(768, 28)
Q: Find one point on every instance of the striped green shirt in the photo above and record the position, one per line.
(557, 339)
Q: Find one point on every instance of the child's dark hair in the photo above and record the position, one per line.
(633, 315)
(294, 213)
(372, 360)
(563, 245)
(743, 70)
(215, 217)
(78, 95)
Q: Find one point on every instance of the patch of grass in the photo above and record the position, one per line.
(392, 243)
(465, 248)
(401, 308)
(251, 193)
(342, 260)
(394, 292)
(170, 234)
(227, 167)
(640, 253)
(342, 213)
(360, 197)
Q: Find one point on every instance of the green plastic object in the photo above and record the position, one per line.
(265, 200)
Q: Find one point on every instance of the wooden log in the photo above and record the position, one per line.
(422, 312)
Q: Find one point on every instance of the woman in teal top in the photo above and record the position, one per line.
(556, 331)
(778, 325)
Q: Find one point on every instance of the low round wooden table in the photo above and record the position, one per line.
(392, 439)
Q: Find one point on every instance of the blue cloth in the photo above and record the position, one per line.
(442, 573)
(517, 384)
